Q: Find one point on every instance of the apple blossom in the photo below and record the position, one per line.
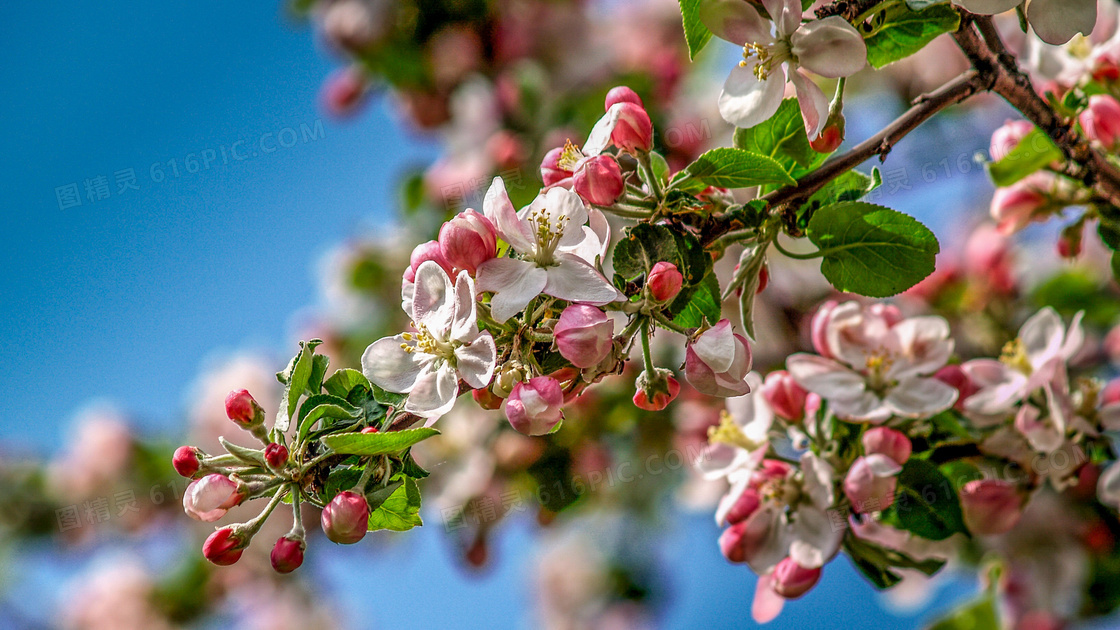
(343, 91)
(1054, 21)
(882, 365)
(209, 498)
(535, 407)
(622, 94)
(552, 173)
(467, 241)
(785, 396)
(738, 444)
(1101, 120)
(223, 547)
(888, 442)
(598, 179)
(990, 506)
(276, 455)
(287, 553)
(664, 281)
(552, 234)
(187, 461)
(626, 125)
(1008, 137)
(871, 482)
(447, 346)
(753, 92)
(344, 518)
(584, 335)
(243, 409)
(656, 392)
(718, 361)
(791, 580)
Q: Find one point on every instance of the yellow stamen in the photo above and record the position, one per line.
(1014, 356)
(730, 433)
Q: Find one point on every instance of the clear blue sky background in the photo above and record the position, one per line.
(124, 297)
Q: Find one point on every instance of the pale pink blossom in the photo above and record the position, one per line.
(535, 407)
(584, 335)
(209, 498)
(718, 361)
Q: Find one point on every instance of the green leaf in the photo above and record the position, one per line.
(1033, 152)
(319, 365)
(980, 614)
(900, 32)
(297, 376)
(400, 511)
(876, 561)
(727, 167)
(695, 33)
(747, 280)
(324, 406)
(925, 503)
(343, 381)
(376, 443)
(851, 186)
(340, 479)
(782, 138)
(644, 246)
(702, 304)
(872, 250)
(410, 467)
(379, 495)
(389, 399)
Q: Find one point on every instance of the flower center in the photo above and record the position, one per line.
(428, 343)
(766, 57)
(730, 433)
(569, 157)
(549, 234)
(782, 490)
(1014, 356)
(878, 365)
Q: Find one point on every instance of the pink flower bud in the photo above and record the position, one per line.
(655, 393)
(763, 279)
(430, 250)
(535, 407)
(732, 542)
(819, 334)
(1101, 120)
(467, 241)
(770, 470)
(598, 179)
(791, 580)
(831, 137)
(622, 94)
(990, 506)
(487, 399)
(744, 506)
(243, 409)
(346, 518)
(871, 482)
(287, 554)
(1015, 206)
(223, 547)
(1008, 137)
(584, 335)
(785, 396)
(349, 24)
(718, 361)
(954, 376)
(988, 260)
(664, 281)
(551, 172)
(276, 455)
(208, 499)
(343, 92)
(884, 441)
(633, 132)
(1110, 395)
(187, 461)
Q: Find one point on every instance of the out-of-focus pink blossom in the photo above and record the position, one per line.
(1008, 137)
(885, 441)
(785, 396)
(792, 580)
(535, 407)
(990, 506)
(343, 92)
(871, 482)
(955, 377)
(1014, 207)
(1101, 120)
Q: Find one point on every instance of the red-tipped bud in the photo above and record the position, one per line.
(276, 455)
(346, 518)
(424, 252)
(535, 407)
(187, 461)
(664, 281)
(343, 92)
(955, 377)
(791, 580)
(622, 94)
(598, 180)
(1101, 120)
(371, 430)
(990, 506)
(223, 547)
(467, 241)
(819, 334)
(763, 279)
(633, 131)
(731, 542)
(884, 441)
(745, 505)
(552, 173)
(487, 399)
(584, 334)
(243, 409)
(287, 554)
(1069, 243)
(209, 498)
(785, 396)
(832, 136)
(871, 482)
(656, 392)
(718, 361)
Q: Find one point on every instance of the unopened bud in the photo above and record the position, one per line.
(209, 498)
(287, 554)
(1069, 243)
(467, 241)
(785, 396)
(633, 131)
(831, 137)
(1101, 120)
(1008, 137)
(343, 92)
(486, 398)
(885, 441)
(535, 407)
(718, 361)
(871, 482)
(654, 393)
(791, 580)
(990, 506)
(243, 409)
(598, 180)
(346, 518)
(622, 94)
(187, 461)
(664, 281)
(584, 334)
(276, 455)
(223, 547)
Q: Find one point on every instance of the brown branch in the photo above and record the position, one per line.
(983, 47)
(847, 9)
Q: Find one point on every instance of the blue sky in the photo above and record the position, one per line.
(125, 296)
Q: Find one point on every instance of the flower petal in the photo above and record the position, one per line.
(767, 604)
(435, 391)
(575, 280)
(825, 377)
(497, 207)
(924, 343)
(735, 21)
(813, 103)
(1000, 387)
(818, 483)
(988, 7)
(475, 361)
(746, 101)
(716, 347)
(917, 397)
(1108, 486)
(513, 282)
(830, 47)
(815, 539)
(600, 137)
(386, 364)
(562, 208)
(464, 325)
(1042, 336)
(786, 15)
(433, 300)
(1057, 21)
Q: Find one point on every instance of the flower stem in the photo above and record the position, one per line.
(795, 256)
(647, 357)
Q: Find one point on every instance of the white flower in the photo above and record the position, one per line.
(880, 365)
(1054, 21)
(555, 241)
(447, 346)
(753, 92)
(740, 441)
